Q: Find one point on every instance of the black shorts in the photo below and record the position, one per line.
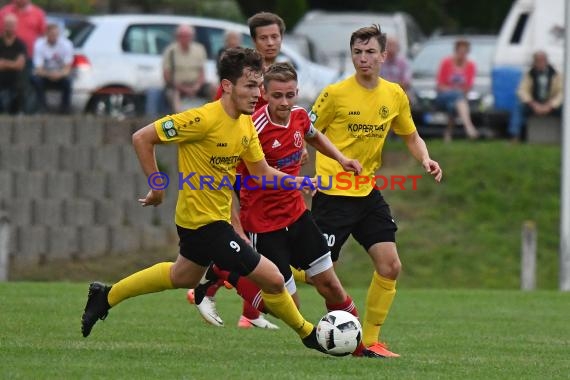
(217, 242)
(367, 218)
(301, 245)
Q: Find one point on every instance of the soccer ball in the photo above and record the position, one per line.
(339, 333)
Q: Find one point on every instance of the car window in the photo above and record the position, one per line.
(415, 34)
(76, 29)
(516, 37)
(148, 38)
(426, 63)
(334, 36)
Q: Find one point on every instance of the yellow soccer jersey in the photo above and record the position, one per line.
(357, 121)
(210, 144)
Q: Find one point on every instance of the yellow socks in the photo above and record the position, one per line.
(282, 306)
(381, 293)
(149, 280)
(298, 275)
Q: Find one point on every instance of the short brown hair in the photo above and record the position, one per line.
(281, 72)
(264, 19)
(462, 42)
(233, 62)
(368, 32)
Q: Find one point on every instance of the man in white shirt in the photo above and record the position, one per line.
(53, 57)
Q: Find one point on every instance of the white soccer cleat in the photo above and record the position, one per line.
(260, 322)
(208, 311)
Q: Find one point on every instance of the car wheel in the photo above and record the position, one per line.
(119, 106)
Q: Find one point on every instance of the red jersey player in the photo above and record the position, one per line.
(266, 31)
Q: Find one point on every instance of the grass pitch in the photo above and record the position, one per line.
(448, 334)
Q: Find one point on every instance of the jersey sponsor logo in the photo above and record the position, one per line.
(276, 144)
(297, 139)
(353, 113)
(223, 160)
(222, 145)
(289, 160)
(366, 128)
(384, 112)
(360, 131)
(168, 129)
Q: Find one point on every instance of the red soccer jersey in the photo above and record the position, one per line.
(262, 209)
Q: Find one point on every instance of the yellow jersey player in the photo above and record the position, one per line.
(211, 139)
(356, 114)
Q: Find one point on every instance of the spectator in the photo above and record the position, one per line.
(540, 94)
(53, 57)
(455, 79)
(12, 64)
(31, 22)
(31, 26)
(232, 39)
(396, 68)
(183, 64)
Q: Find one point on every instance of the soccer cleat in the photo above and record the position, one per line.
(228, 285)
(208, 311)
(310, 341)
(97, 307)
(261, 322)
(376, 350)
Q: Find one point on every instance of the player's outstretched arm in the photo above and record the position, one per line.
(144, 141)
(417, 147)
(269, 177)
(322, 143)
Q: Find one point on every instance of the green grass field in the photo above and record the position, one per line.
(447, 334)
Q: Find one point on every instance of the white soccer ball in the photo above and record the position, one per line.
(339, 333)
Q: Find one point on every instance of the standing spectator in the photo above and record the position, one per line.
(540, 93)
(455, 79)
(12, 63)
(53, 57)
(31, 26)
(183, 64)
(396, 68)
(31, 22)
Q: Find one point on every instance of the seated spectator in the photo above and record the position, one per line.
(540, 94)
(12, 68)
(454, 80)
(53, 57)
(396, 68)
(183, 64)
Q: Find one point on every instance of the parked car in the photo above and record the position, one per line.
(118, 58)
(330, 32)
(424, 79)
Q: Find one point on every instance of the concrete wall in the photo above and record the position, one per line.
(70, 187)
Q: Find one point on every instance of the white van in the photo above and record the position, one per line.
(532, 25)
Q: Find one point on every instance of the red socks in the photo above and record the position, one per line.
(246, 289)
(348, 306)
